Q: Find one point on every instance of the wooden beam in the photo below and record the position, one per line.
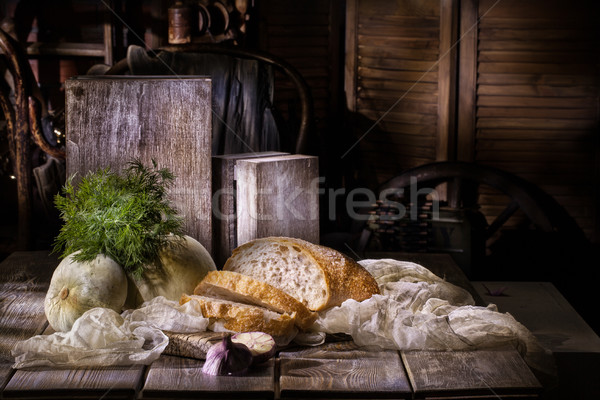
(467, 81)
(447, 80)
(350, 72)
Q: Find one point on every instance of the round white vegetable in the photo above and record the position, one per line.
(181, 266)
(76, 287)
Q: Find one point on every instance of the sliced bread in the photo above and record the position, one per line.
(238, 317)
(240, 288)
(317, 276)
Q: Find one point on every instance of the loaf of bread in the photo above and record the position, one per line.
(317, 276)
(240, 288)
(240, 317)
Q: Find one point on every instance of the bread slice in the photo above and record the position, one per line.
(238, 317)
(240, 288)
(317, 276)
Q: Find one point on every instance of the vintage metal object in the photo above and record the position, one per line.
(180, 27)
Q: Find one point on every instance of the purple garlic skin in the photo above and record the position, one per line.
(227, 358)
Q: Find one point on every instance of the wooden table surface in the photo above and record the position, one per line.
(337, 369)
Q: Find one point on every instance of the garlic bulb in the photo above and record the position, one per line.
(261, 345)
(227, 358)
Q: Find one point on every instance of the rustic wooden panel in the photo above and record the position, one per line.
(537, 92)
(469, 373)
(91, 383)
(277, 196)
(24, 279)
(111, 120)
(182, 378)
(224, 203)
(394, 66)
(334, 370)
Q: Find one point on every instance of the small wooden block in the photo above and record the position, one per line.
(112, 120)
(182, 378)
(469, 374)
(92, 383)
(278, 196)
(224, 202)
(342, 371)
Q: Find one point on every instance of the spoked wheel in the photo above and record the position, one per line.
(549, 222)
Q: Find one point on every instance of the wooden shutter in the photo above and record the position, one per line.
(528, 97)
(400, 82)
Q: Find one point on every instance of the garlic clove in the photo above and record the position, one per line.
(227, 358)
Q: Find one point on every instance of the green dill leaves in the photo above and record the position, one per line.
(127, 217)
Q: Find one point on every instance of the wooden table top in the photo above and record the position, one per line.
(338, 369)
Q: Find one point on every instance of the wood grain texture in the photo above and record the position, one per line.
(545, 312)
(278, 196)
(91, 383)
(24, 279)
(469, 373)
(224, 202)
(112, 120)
(182, 378)
(338, 369)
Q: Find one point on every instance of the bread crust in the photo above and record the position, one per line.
(239, 317)
(255, 292)
(344, 277)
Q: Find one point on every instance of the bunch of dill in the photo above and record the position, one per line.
(127, 217)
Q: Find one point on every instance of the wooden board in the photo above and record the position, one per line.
(92, 383)
(483, 373)
(111, 120)
(224, 202)
(545, 312)
(337, 370)
(278, 196)
(24, 282)
(182, 378)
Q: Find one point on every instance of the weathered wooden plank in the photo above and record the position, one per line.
(536, 68)
(394, 95)
(415, 87)
(91, 383)
(540, 79)
(534, 134)
(536, 90)
(556, 56)
(398, 42)
(469, 373)
(407, 65)
(538, 45)
(337, 370)
(537, 102)
(224, 203)
(24, 282)
(277, 196)
(404, 76)
(182, 378)
(367, 50)
(111, 120)
(377, 106)
(400, 117)
(420, 9)
(467, 81)
(515, 112)
(534, 123)
(24, 265)
(445, 144)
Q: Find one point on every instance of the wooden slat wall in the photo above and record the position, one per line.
(396, 80)
(301, 33)
(537, 99)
